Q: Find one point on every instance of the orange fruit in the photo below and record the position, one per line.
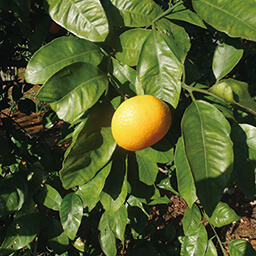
(140, 122)
(54, 28)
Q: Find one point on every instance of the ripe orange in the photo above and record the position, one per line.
(54, 28)
(140, 122)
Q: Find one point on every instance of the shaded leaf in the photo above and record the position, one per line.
(73, 90)
(235, 18)
(185, 179)
(159, 70)
(26, 106)
(209, 151)
(91, 151)
(239, 247)
(58, 54)
(225, 58)
(191, 220)
(222, 215)
(131, 43)
(86, 19)
(90, 192)
(71, 212)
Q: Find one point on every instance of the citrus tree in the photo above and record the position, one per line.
(197, 56)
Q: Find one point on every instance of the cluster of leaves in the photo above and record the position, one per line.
(199, 57)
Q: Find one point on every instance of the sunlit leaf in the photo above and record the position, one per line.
(191, 220)
(240, 247)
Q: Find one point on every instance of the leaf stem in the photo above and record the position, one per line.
(219, 241)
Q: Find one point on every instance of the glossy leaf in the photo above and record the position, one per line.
(240, 247)
(91, 151)
(211, 249)
(115, 190)
(222, 215)
(184, 14)
(236, 19)
(131, 43)
(209, 151)
(196, 243)
(134, 201)
(20, 233)
(90, 192)
(191, 220)
(159, 70)
(58, 54)
(71, 212)
(147, 169)
(225, 58)
(136, 13)
(243, 137)
(49, 197)
(107, 237)
(86, 19)
(73, 90)
(186, 183)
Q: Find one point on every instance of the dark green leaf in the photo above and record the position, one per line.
(71, 212)
(159, 70)
(20, 233)
(222, 215)
(209, 151)
(184, 14)
(26, 106)
(58, 54)
(186, 184)
(92, 149)
(136, 13)
(86, 19)
(90, 192)
(73, 90)
(191, 220)
(225, 59)
(49, 197)
(196, 243)
(239, 247)
(131, 43)
(235, 18)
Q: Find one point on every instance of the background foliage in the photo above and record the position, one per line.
(95, 198)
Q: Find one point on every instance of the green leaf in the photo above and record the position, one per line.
(20, 233)
(134, 201)
(131, 43)
(57, 238)
(191, 220)
(71, 212)
(222, 215)
(186, 183)
(243, 137)
(159, 70)
(107, 237)
(90, 192)
(57, 54)
(161, 152)
(125, 77)
(49, 197)
(182, 13)
(196, 243)
(84, 18)
(181, 40)
(115, 190)
(225, 58)
(235, 18)
(239, 247)
(211, 249)
(209, 151)
(13, 193)
(147, 169)
(73, 90)
(136, 13)
(92, 149)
